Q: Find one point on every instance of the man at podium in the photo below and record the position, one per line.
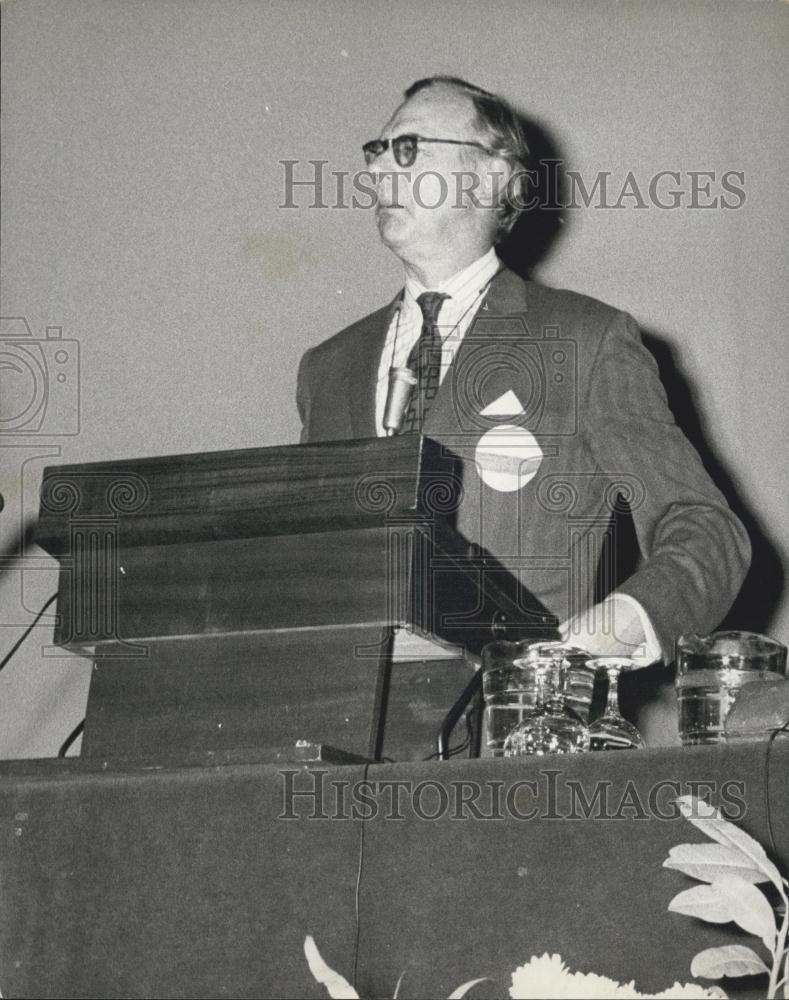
(548, 396)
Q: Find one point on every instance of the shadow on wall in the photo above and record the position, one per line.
(538, 229)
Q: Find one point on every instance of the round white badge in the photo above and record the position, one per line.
(507, 457)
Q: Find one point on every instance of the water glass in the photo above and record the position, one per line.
(552, 726)
(509, 692)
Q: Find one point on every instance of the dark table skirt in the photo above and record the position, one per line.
(186, 880)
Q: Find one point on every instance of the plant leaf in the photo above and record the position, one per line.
(729, 898)
(337, 986)
(703, 902)
(707, 862)
(707, 819)
(730, 960)
(461, 991)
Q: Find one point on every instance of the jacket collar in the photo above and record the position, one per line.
(506, 295)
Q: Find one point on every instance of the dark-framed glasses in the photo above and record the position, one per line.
(406, 147)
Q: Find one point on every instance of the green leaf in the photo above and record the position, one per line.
(730, 960)
(336, 985)
(729, 898)
(707, 862)
(461, 991)
(707, 819)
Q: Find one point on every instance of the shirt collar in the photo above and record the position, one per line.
(463, 285)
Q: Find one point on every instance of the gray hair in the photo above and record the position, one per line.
(504, 132)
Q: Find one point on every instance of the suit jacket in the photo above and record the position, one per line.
(558, 412)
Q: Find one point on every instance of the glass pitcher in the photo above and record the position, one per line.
(712, 671)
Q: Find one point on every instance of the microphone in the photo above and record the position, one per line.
(401, 385)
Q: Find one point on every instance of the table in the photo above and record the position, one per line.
(202, 877)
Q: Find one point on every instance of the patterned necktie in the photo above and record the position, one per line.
(425, 361)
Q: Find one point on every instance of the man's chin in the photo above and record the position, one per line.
(393, 225)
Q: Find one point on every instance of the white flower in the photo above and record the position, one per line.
(690, 991)
(548, 978)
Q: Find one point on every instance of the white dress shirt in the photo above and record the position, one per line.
(466, 291)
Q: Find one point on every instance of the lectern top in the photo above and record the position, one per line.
(252, 492)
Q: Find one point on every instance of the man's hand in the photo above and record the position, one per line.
(618, 626)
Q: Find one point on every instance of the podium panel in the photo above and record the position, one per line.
(225, 597)
(341, 687)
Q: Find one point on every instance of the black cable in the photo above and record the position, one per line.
(75, 732)
(466, 742)
(27, 632)
(464, 745)
(450, 752)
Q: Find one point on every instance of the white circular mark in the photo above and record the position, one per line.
(507, 457)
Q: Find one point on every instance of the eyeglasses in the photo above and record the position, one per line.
(405, 148)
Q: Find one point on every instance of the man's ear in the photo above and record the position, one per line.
(494, 178)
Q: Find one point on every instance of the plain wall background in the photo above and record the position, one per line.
(140, 212)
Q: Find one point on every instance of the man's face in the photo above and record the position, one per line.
(420, 210)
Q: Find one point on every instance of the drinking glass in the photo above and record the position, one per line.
(612, 731)
(579, 677)
(509, 691)
(552, 727)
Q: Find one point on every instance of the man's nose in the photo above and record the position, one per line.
(383, 180)
(391, 181)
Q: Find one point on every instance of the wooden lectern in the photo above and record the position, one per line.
(259, 597)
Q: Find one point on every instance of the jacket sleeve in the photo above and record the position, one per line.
(695, 552)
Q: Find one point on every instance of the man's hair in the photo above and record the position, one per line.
(504, 133)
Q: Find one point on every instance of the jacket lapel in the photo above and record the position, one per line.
(478, 373)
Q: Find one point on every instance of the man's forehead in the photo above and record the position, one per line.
(439, 108)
